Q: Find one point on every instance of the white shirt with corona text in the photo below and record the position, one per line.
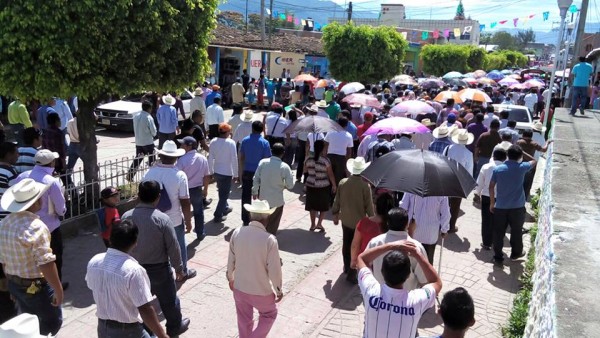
(392, 313)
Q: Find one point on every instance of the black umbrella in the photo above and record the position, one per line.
(420, 172)
(313, 124)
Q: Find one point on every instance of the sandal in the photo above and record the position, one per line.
(312, 228)
(320, 228)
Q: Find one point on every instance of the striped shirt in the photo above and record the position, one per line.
(317, 172)
(24, 245)
(119, 284)
(439, 145)
(392, 312)
(26, 160)
(7, 176)
(432, 215)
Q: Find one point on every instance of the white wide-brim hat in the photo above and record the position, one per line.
(259, 207)
(170, 149)
(538, 126)
(248, 116)
(22, 195)
(168, 99)
(357, 165)
(321, 104)
(198, 91)
(22, 326)
(441, 131)
(463, 137)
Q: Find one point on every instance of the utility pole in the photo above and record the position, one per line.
(349, 11)
(270, 20)
(246, 16)
(262, 21)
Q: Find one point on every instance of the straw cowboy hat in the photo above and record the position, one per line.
(259, 207)
(356, 165)
(427, 122)
(248, 116)
(198, 91)
(168, 99)
(22, 326)
(463, 137)
(22, 195)
(442, 131)
(321, 104)
(170, 149)
(538, 126)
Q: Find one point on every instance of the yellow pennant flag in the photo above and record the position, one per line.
(457, 33)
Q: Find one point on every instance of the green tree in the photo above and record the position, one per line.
(254, 22)
(231, 19)
(495, 61)
(476, 59)
(92, 48)
(363, 53)
(523, 38)
(485, 38)
(504, 40)
(441, 59)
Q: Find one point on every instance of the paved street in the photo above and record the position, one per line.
(318, 301)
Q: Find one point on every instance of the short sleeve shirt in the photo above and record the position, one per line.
(317, 172)
(582, 72)
(175, 182)
(509, 177)
(339, 142)
(392, 312)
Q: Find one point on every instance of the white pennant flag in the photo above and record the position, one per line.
(268, 11)
(467, 30)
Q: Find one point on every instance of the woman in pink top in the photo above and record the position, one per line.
(370, 227)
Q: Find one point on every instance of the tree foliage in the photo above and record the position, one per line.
(92, 48)
(504, 40)
(505, 59)
(232, 19)
(441, 59)
(524, 38)
(363, 53)
(254, 22)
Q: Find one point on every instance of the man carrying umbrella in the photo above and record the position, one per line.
(381, 146)
(464, 157)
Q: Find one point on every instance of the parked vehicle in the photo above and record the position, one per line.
(521, 114)
(118, 115)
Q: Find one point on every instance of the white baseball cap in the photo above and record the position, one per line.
(45, 156)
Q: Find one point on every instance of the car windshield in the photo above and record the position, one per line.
(135, 97)
(515, 113)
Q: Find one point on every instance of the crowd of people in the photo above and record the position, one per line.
(389, 238)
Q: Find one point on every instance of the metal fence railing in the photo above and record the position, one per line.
(83, 197)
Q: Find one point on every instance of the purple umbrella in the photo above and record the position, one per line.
(411, 107)
(508, 81)
(397, 125)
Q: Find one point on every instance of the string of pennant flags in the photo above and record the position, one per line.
(446, 33)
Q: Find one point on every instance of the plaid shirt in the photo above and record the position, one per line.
(24, 245)
(53, 139)
(440, 145)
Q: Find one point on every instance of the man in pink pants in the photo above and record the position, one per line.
(254, 272)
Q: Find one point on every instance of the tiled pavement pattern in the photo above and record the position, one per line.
(318, 301)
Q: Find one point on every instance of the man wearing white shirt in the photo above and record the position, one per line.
(531, 100)
(390, 309)
(223, 164)
(339, 149)
(464, 157)
(121, 288)
(483, 190)
(244, 128)
(397, 221)
(431, 216)
(403, 142)
(489, 117)
(214, 116)
(275, 123)
(63, 110)
(197, 102)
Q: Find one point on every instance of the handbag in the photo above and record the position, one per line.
(164, 202)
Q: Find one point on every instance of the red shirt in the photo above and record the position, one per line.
(111, 217)
(368, 230)
(361, 130)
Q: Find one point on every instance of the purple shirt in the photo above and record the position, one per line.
(54, 196)
(195, 166)
(476, 129)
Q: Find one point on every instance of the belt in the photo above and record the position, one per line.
(25, 281)
(115, 324)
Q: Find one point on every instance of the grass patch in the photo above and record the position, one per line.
(515, 328)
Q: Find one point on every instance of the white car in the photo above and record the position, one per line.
(119, 115)
(521, 114)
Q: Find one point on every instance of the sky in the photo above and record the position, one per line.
(485, 11)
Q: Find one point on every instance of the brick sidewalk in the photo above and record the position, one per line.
(318, 301)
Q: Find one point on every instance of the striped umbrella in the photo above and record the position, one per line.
(474, 95)
(446, 95)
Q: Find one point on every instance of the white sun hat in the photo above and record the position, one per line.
(259, 207)
(22, 195)
(169, 148)
(357, 165)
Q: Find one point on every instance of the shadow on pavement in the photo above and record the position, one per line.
(500, 279)
(214, 229)
(430, 318)
(77, 253)
(301, 241)
(454, 243)
(342, 294)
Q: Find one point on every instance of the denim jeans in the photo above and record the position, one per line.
(180, 233)
(39, 304)
(111, 329)
(163, 286)
(197, 200)
(247, 177)
(73, 153)
(224, 187)
(579, 98)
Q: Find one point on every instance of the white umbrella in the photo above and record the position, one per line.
(352, 87)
